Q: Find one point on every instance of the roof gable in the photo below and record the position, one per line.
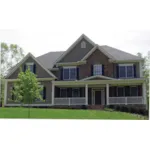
(97, 77)
(29, 57)
(77, 54)
(113, 54)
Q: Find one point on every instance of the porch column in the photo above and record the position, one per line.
(86, 94)
(144, 93)
(107, 94)
(53, 91)
(5, 94)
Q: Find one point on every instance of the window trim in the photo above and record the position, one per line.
(126, 65)
(70, 67)
(28, 64)
(101, 69)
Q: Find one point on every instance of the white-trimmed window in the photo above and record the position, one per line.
(75, 92)
(83, 44)
(126, 71)
(69, 73)
(63, 92)
(97, 69)
(30, 66)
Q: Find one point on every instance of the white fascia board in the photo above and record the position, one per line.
(23, 60)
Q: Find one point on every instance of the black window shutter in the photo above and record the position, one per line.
(13, 94)
(139, 90)
(80, 92)
(61, 73)
(58, 92)
(91, 70)
(115, 91)
(110, 91)
(134, 67)
(117, 71)
(127, 91)
(69, 92)
(34, 68)
(102, 69)
(44, 92)
(24, 69)
(77, 73)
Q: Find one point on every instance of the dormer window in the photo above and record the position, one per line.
(83, 44)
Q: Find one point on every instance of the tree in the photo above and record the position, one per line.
(27, 88)
(146, 72)
(10, 56)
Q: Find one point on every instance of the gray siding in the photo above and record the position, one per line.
(47, 84)
(77, 53)
(40, 72)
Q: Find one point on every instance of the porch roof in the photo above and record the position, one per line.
(98, 82)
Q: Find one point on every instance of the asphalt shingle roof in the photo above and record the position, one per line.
(119, 54)
(48, 59)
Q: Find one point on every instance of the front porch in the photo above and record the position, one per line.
(98, 94)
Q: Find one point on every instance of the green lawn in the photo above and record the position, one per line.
(64, 114)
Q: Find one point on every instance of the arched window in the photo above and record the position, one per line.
(83, 44)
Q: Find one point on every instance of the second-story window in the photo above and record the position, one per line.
(126, 71)
(97, 69)
(30, 66)
(69, 73)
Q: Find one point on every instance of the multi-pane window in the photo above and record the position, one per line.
(63, 92)
(130, 91)
(97, 69)
(133, 91)
(75, 92)
(126, 71)
(69, 73)
(30, 66)
(120, 92)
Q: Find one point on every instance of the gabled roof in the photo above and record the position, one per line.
(119, 54)
(113, 54)
(48, 59)
(83, 36)
(23, 60)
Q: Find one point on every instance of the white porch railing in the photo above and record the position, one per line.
(70, 101)
(125, 100)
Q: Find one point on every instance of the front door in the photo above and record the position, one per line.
(97, 97)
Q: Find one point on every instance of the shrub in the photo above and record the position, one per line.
(130, 109)
(83, 107)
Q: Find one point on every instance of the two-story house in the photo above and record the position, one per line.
(84, 74)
